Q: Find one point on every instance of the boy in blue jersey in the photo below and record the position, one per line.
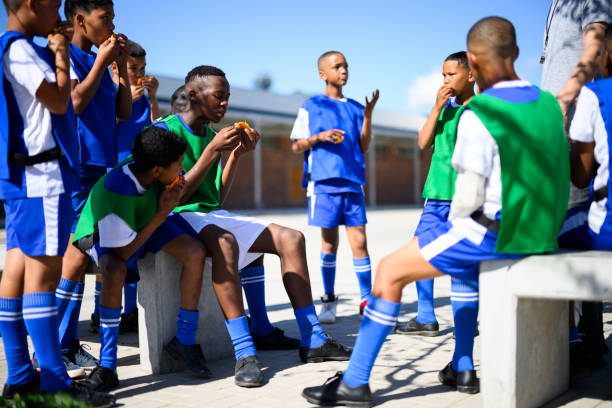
(334, 133)
(38, 171)
(98, 103)
(510, 118)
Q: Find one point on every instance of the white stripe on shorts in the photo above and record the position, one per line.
(51, 216)
(313, 199)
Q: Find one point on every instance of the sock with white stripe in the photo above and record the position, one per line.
(238, 330)
(310, 327)
(15, 339)
(130, 292)
(379, 318)
(96, 311)
(464, 301)
(574, 337)
(425, 311)
(328, 270)
(363, 270)
(109, 336)
(40, 318)
(253, 283)
(63, 294)
(187, 326)
(69, 324)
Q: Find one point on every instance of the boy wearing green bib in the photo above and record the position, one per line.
(508, 136)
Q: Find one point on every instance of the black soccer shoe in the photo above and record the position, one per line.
(335, 392)
(331, 350)
(464, 381)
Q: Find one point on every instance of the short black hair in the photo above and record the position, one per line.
(493, 35)
(71, 7)
(12, 5)
(608, 38)
(178, 100)
(203, 71)
(460, 57)
(325, 55)
(136, 49)
(156, 146)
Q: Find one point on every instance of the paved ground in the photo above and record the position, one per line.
(405, 372)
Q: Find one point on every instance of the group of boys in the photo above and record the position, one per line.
(108, 182)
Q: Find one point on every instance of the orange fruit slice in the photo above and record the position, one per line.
(338, 139)
(242, 125)
(176, 180)
(142, 78)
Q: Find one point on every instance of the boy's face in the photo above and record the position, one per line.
(168, 174)
(457, 77)
(136, 68)
(47, 13)
(210, 95)
(334, 70)
(97, 25)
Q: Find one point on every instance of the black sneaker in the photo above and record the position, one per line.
(94, 324)
(412, 326)
(73, 370)
(464, 381)
(129, 322)
(102, 379)
(331, 350)
(275, 340)
(81, 391)
(247, 372)
(336, 392)
(11, 390)
(82, 357)
(190, 356)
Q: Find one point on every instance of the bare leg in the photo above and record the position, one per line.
(75, 263)
(357, 240)
(114, 271)
(329, 240)
(11, 285)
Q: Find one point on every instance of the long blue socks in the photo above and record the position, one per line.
(379, 318)
(40, 317)
(363, 270)
(130, 292)
(241, 337)
(328, 271)
(14, 337)
(96, 311)
(187, 326)
(109, 336)
(310, 328)
(464, 301)
(69, 319)
(252, 280)
(425, 296)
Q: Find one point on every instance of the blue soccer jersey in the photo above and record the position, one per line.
(128, 129)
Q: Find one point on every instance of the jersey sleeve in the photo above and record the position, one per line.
(22, 65)
(596, 11)
(161, 125)
(301, 129)
(582, 128)
(475, 147)
(114, 232)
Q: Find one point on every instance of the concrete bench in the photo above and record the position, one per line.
(158, 306)
(524, 322)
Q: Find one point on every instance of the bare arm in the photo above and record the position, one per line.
(301, 145)
(427, 132)
(56, 96)
(583, 163)
(124, 94)
(152, 84)
(247, 144)
(366, 131)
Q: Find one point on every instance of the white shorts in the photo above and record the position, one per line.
(244, 228)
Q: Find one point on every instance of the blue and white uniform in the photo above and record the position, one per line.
(128, 129)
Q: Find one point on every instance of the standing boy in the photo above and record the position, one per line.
(439, 131)
(334, 133)
(98, 104)
(38, 171)
(509, 135)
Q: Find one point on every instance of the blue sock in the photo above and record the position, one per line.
(574, 337)
(379, 318)
(130, 291)
(96, 311)
(69, 324)
(40, 317)
(238, 330)
(464, 301)
(425, 312)
(252, 280)
(363, 270)
(15, 339)
(63, 294)
(328, 270)
(187, 326)
(109, 336)
(310, 328)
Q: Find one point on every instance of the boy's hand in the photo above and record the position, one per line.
(137, 92)
(108, 51)
(444, 93)
(228, 138)
(247, 143)
(151, 84)
(369, 106)
(60, 37)
(330, 135)
(124, 51)
(169, 199)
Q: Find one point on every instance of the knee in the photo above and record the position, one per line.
(329, 247)
(227, 244)
(292, 240)
(113, 270)
(194, 254)
(385, 275)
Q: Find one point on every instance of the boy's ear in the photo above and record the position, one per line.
(516, 55)
(79, 21)
(156, 171)
(471, 78)
(472, 62)
(323, 75)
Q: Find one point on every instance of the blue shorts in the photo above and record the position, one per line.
(449, 249)
(577, 234)
(39, 226)
(162, 235)
(434, 212)
(331, 210)
(79, 198)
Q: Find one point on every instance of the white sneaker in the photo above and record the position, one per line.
(327, 314)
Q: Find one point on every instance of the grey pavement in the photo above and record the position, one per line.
(405, 373)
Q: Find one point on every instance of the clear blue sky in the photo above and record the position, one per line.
(395, 45)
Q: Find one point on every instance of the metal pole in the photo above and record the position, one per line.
(372, 172)
(257, 170)
(416, 156)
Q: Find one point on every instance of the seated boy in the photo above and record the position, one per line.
(124, 218)
(38, 171)
(334, 133)
(233, 240)
(439, 131)
(510, 134)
